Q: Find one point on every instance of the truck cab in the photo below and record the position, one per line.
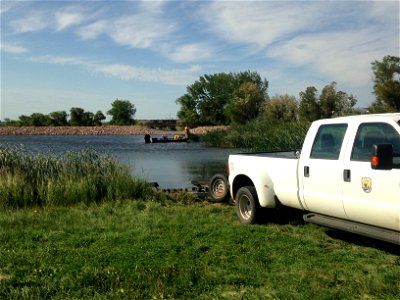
(337, 177)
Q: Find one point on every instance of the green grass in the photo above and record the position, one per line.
(146, 250)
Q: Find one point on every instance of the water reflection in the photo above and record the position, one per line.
(172, 165)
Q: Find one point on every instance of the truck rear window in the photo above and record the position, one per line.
(328, 141)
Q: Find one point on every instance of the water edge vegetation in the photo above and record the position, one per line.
(260, 135)
(32, 180)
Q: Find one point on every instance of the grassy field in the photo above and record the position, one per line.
(147, 250)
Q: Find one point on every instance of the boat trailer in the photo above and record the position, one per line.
(217, 188)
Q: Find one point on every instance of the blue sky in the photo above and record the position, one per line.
(56, 55)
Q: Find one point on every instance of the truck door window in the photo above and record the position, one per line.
(369, 134)
(328, 141)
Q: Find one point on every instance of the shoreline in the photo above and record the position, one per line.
(101, 130)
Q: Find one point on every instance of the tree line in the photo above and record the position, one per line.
(122, 113)
(237, 98)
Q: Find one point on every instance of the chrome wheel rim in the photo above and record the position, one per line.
(245, 207)
(219, 188)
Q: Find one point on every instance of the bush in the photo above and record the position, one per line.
(260, 135)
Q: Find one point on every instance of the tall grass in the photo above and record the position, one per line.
(86, 176)
(260, 135)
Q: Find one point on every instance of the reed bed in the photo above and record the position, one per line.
(28, 180)
(260, 135)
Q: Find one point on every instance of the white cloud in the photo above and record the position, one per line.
(139, 31)
(11, 48)
(92, 30)
(126, 72)
(336, 40)
(7, 6)
(188, 53)
(4, 9)
(59, 60)
(260, 23)
(344, 56)
(381, 11)
(33, 21)
(154, 7)
(67, 18)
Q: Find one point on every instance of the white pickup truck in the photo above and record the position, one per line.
(346, 176)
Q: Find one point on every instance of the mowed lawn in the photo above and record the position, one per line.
(145, 250)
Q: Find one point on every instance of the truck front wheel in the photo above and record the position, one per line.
(247, 207)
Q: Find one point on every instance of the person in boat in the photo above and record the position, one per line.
(147, 138)
(187, 132)
(177, 137)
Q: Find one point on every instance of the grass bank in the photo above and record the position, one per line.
(41, 180)
(145, 250)
(260, 135)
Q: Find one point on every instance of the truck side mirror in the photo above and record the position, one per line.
(382, 157)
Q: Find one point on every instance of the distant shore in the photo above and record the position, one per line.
(100, 130)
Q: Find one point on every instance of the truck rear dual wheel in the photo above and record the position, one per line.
(247, 207)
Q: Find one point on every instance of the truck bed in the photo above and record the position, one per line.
(273, 174)
(293, 154)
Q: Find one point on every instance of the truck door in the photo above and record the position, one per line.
(372, 196)
(323, 171)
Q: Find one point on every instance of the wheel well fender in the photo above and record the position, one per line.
(240, 181)
(266, 195)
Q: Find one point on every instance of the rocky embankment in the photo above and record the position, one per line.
(99, 130)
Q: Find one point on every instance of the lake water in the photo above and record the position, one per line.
(172, 165)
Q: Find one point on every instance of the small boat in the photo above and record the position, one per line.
(176, 139)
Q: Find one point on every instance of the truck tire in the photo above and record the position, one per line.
(247, 207)
(219, 188)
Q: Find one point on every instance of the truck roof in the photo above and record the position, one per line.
(371, 117)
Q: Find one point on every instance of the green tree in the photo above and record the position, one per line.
(335, 103)
(80, 117)
(122, 112)
(246, 103)
(88, 118)
(39, 119)
(206, 99)
(98, 118)
(309, 105)
(189, 111)
(386, 84)
(59, 118)
(327, 101)
(25, 120)
(282, 108)
(77, 116)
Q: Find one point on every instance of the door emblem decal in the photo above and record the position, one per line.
(366, 184)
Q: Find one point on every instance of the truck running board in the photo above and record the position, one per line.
(383, 234)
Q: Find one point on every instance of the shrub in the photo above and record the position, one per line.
(261, 135)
